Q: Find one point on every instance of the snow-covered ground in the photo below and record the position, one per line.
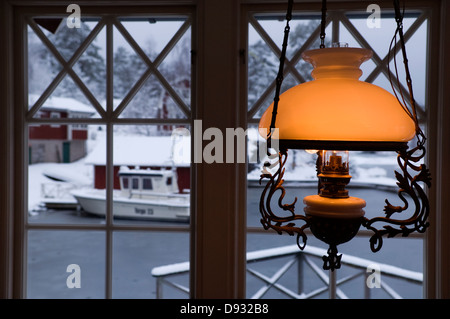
(365, 168)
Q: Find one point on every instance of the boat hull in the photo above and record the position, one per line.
(165, 208)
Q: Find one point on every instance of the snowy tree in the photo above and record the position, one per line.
(177, 71)
(262, 70)
(152, 99)
(90, 67)
(127, 69)
(40, 67)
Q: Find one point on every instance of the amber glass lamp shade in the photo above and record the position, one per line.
(338, 111)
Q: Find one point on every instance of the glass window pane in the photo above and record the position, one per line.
(147, 183)
(379, 38)
(44, 66)
(61, 172)
(140, 91)
(66, 264)
(135, 183)
(125, 181)
(128, 66)
(65, 39)
(152, 33)
(139, 256)
(158, 166)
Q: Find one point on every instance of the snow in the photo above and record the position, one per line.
(362, 167)
(62, 103)
(143, 151)
(75, 174)
(305, 174)
(68, 172)
(170, 269)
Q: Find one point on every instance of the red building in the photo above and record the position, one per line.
(133, 151)
(58, 143)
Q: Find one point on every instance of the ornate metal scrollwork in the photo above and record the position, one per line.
(408, 185)
(270, 219)
(333, 260)
(410, 188)
(331, 231)
(287, 223)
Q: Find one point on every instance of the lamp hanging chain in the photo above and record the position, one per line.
(409, 162)
(323, 24)
(399, 20)
(280, 77)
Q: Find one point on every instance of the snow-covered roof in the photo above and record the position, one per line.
(140, 150)
(62, 104)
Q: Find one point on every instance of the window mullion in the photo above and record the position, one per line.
(109, 157)
(218, 238)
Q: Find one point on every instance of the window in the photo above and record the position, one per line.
(131, 76)
(372, 173)
(135, 183)
(125, 182)
(147, 184)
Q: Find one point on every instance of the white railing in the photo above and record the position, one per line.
(164, 274)
(56, 190)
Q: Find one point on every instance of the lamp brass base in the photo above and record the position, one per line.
(334, 221)
(334, 231)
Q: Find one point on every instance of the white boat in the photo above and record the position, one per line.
(144, 194)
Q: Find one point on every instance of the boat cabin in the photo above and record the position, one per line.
(141, 182)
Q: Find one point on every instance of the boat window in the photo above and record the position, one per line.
(169, 181)
(147, 183)
(125, 182)
(135, 183)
